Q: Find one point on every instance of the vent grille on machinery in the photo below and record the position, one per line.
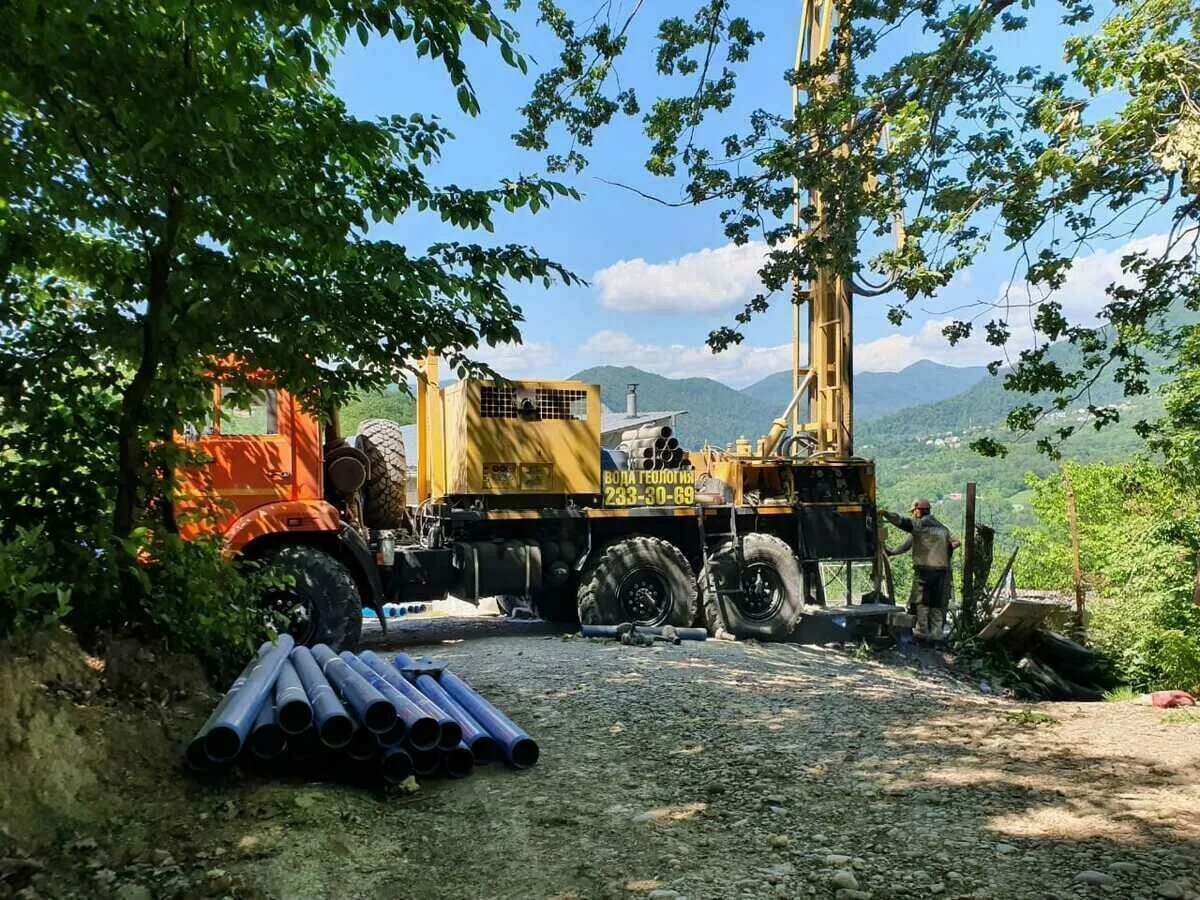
(552, 403)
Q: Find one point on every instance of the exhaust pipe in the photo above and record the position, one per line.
(228, 732)
(371, 707)
(517, 747)
(449, 731)
(333, 725)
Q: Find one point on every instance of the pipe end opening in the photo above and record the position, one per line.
(524, 753)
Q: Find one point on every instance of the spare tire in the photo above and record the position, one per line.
(385, 495)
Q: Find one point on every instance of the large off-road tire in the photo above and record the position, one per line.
(323, 606)
(771, 596)
(385, 495)
(644, 580)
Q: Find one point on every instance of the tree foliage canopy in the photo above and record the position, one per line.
(912, 113)
(179, 183)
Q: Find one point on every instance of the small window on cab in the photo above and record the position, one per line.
(243, 414)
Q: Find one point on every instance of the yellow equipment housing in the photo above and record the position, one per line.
(507, 438)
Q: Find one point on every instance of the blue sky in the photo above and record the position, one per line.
(660, 278)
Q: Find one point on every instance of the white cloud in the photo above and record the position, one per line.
(529, 360)
(1082, 296)
(737, 366)
(702, 282)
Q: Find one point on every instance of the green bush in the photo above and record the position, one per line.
(1138, 528)
(198, 601)
(29, 593)
(1153, 638)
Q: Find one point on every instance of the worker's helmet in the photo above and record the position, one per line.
(922, 504)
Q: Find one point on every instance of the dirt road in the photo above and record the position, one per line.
(707, 771)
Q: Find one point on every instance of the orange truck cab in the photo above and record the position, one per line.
(264, 488)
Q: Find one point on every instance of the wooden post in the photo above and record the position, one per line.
(968, 563)
(1073, 523)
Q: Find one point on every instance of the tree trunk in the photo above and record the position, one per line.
(135, 400)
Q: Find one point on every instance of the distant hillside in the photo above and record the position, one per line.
(877, 394)
(390, 404)
(986, 403)
(716, 413)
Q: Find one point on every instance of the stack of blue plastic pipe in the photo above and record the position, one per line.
(328, 713)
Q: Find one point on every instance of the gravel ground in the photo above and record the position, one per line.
(714, 770)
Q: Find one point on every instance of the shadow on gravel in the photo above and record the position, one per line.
(402, 632)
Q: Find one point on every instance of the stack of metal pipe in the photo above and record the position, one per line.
(328, 713)
(653, 447)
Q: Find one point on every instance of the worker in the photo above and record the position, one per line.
(931, 544)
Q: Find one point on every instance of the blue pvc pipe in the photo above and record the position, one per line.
(195, 756)
(450, 732)
(334, 725)
(395, 765)
(267, 739)
(481, 744)
(406, 710)
(228, 733)
(364, 745)
(293, 710)
(457, 762)
(426, 761)
(373, 710)
(516, 746)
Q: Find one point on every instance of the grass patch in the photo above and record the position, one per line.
(1120, 694)
(1028, 718)
(1182, 717)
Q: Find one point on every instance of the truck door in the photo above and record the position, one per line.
(250, 451)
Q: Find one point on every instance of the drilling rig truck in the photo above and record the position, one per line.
(515, 497)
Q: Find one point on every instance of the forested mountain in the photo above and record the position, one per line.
(877, 394)
(715, 412)
(721, 414)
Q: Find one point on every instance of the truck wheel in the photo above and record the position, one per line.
(771, 598)
(644, 580)
(323, 606)
(385, 495)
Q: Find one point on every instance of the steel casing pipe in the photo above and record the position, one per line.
(457, 762)
(476, 738)
(194, 755)
(267, 738)
(611, 631)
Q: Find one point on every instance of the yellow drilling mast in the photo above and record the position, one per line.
(829, 372)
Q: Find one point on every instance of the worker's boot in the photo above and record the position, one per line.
(921, 629)
(936, 624)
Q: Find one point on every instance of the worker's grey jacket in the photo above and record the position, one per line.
(930, 540)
